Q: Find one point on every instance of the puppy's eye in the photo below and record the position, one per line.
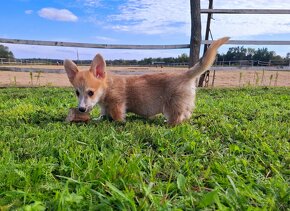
(90, 93)
(77, 93)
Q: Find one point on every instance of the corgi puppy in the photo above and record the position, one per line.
(171, 94)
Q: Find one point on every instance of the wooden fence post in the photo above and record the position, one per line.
(195, 39)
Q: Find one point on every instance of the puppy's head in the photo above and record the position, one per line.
(89, 85)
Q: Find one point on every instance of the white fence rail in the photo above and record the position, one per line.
(144, 47)
(246, 11)
(233, 63)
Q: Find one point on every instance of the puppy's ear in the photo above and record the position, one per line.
(71, 69)
(98, 67)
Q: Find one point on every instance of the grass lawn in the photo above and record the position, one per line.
(232, 155)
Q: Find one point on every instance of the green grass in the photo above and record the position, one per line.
(232, 155)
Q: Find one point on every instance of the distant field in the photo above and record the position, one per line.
(223, 78)
(233, 154)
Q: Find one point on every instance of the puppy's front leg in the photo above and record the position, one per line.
(117, 112)
(100, 118)
(103, 114)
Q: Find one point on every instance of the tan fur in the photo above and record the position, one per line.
(171, 94)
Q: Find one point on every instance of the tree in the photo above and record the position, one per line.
(183, 58)
(5, 53)
(236, 53)
(262, 54)
(250, 53)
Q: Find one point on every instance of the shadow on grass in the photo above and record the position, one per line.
(41, 117)
(158, 120)
(131, 118)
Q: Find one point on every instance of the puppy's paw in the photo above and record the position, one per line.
(102, 118)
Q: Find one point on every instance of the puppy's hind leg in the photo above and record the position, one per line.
(176, 118)
(177, 113)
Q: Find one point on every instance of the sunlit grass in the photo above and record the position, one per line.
(233, 154)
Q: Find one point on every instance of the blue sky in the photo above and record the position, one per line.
(131, 22)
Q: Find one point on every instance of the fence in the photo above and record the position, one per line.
(195, 36)
(139, 47)
(232, 63)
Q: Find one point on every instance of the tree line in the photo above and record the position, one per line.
(234, 54)
(239, 53)
(261, 54)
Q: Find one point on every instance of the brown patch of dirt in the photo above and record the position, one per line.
(234, 78)
(250, 78)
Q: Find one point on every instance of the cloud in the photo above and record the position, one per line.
(152, 17)
(94, 20)
(28, 12)
(57, 14)
(173, 17)
(105, 39)
(247, 25)
(91, 3)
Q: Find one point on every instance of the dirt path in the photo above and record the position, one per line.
(227, 78)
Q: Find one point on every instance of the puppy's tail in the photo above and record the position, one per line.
(207, 61)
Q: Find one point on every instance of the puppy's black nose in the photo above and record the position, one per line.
(82, 109)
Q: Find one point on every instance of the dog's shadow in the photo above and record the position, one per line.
(41, 117)
(131, 118)
(158, 120)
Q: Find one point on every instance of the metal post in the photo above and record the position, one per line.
(207, 32)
